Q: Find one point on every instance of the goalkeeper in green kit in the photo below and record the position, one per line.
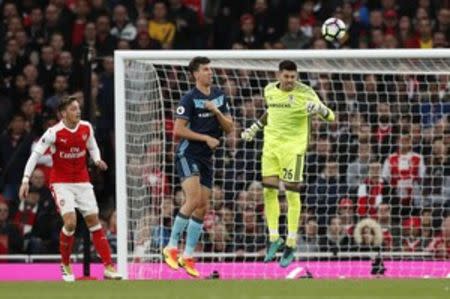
(286, 124)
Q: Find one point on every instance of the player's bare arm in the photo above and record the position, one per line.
(181, 130)
(226, 122)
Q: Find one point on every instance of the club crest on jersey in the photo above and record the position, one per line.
(62, 203)
(291, 99)
(84, 136)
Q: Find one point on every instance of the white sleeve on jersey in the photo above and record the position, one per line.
(92, 146)
(41, 147)
(45, 159)
(46, 141)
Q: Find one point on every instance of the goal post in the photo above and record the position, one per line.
(148, 86)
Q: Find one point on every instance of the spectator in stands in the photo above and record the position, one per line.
(425, 34)
(316, 160)
(406, 33)
(404, 170)
(82, 10)
(68, 68)
(426, 228)
(218, 239)
(14, 151)
(33, 119)
(188, 34)
(36, 29)
(31, 74)
(294, 38)
(358, 170)
(105, 42)
(390, 22)
(432, 108)
(387, 228)
(368, 235)
(346, 213)
(437, 180)
(47, 68)
(325, 192)
(37, 223)
(336, 239)
(60, 86)
(411, 240)
(384, 130)
(19, 91)
(372, 191)
(440, 246)
(251, 239)
(266, 22)
(123, 28)
(160, 28)
(309, 238)
(247, 34)
(440, 40)
(11, 241)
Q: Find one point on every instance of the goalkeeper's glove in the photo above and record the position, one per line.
(317, 108)
(250, 133)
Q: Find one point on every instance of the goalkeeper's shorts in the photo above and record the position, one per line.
(188, 166)
(287, 167)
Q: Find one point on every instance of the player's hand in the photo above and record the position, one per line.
(23, 191)
(316, 108)
(250, 133)
(212, 142)
(101, 165)
(211, 106)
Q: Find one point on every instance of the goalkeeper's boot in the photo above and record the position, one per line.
(170, 256)
(272, 250)
(67, 274)
(189, 265)
(288, 256)
(111, 273)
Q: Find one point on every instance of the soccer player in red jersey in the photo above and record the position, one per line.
(68, 141)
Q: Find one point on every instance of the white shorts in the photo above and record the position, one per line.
(69, 196)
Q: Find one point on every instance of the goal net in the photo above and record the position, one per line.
(376, 192)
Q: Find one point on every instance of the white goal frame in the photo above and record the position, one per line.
(121, 56)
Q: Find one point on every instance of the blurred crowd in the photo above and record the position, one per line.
(391, 138)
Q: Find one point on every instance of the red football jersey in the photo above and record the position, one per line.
(68, 148)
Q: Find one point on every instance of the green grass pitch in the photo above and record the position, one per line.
(217, 289)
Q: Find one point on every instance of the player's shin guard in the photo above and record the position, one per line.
(294, 209)
(66, 240)
(101, 244)
(178, 227)
(272, 212)
(194, 230)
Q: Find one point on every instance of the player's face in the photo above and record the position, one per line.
(72, 114)
(204, 75)
(287, 79)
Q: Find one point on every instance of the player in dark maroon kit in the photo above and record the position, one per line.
(69, 140)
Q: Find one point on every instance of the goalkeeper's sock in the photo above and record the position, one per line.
(66, 240)
(272, 212)
(101, 244)
(194, 230)
(179, 225)
(294, 208)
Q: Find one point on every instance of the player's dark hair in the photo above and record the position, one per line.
(66, 101)
(196, 62)
(287, 65)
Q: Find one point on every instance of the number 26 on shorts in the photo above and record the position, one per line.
(287, 174)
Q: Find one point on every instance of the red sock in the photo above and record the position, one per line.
(102, 246)
(65, 247)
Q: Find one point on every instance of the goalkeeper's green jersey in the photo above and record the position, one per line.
(288, 122)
